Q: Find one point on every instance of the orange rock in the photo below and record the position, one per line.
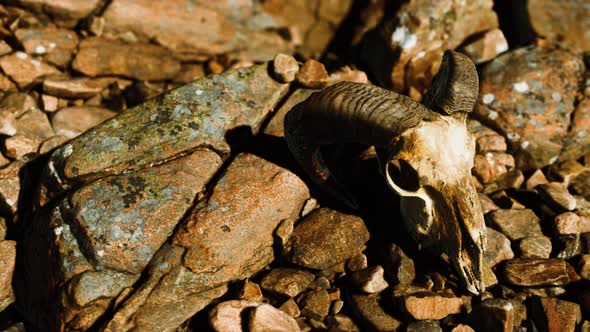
(312, 74)
(25, 70)
(432, 306)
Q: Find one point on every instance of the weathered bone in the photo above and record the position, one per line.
(444, 212)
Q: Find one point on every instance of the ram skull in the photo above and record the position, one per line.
(425, 154)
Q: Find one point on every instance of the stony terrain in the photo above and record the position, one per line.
(186, 211)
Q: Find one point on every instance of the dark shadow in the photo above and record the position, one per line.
(514, 22)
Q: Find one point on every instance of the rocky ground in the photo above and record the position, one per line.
(186, 211)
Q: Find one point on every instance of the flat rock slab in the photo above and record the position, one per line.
(98, 239)
(325, 238)
(550, 314)
(54, 45)
(516, 223)
(100, 56)
(227, 237)
(24, 69)
(531, 272)
(434, 307)
(181, 120)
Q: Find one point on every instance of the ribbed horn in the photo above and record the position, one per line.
(348, 112)
(454, 87)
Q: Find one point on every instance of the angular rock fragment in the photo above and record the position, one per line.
(286, 282)
(516, 223)
(557, 195)
(52, 143)
(227, 316)
(493, 315)
(497, 248)
(35, 125)
(73, 121)
(291, 308)
(19, 145)
(54, 45)
(429, 306)
(99, 56)
(10, 184)
(489, 167)
(342, 323)
(25, 70)
(550, 314)
(194, 115)
(528, 94)
(581, 184)
(327, 237)
(584, 267)
(233, 228)
(510, 180)
(251, 292)
(370, 280)
(315, 304)
(538, 246)
(462, 328)
(402, 267)
(368, 309)
(487, 46)
(267, 318)
(66, 13)
(285, 67)
(567, 223)
(312, 74)
(536, 179)
(82, 87)
(532, 272)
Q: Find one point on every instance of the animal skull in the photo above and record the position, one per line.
(425, 152)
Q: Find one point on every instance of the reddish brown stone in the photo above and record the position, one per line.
(251, 292)
(567, 223)
(52, 143)
(327, 237)
(490, 166)
(19, 145)
(312, 74)
(53, 45)
(285, 67)
(227, 316)
(99, 56)
(73, 121)
(557, 195)
(267, 318)
(516, 223)
(286, 281)
(370, 280)
(82, 87)
(486, 47)
(431, 306)
(347, 74)
(584, 266)
(65, 12)
(6, 84)
(7, 262)
(535, 179)
(498, 248)
(291, 308)
(551, 314)
(25, 70)
(538, 246)
(368, 307)
(509, 100)
(315, 304)
(566, 23)
(531, 272)
(10, 184)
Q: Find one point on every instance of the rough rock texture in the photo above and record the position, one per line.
(66, 13)
(486, 47)
(498, 247)
(535, 246)
(555, 315)
(565, 22)
(232, 229)
(82, 87)
(286, 281)
(325, 238)
(73, 121)
(538, 272)
(227, 316)
(267, 318)
(516, 223)
(431, 306)
(406, 50)
(197, 114)
(51, 44)
(24, 69)
(102, 236)
(534, 109)
(100, 56)
(248, 29)
(369, 310)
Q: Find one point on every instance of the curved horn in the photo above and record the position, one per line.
(454, 87)
(348, 112)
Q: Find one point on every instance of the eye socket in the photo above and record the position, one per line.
(404, 175)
